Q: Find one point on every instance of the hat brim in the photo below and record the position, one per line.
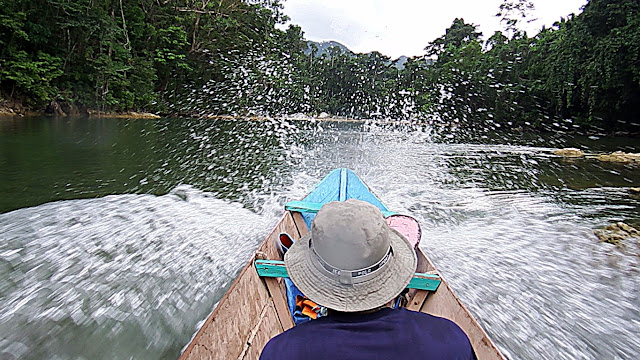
(370, 294)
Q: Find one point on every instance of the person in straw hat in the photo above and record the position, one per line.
(354, 264)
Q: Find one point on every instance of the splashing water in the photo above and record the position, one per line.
(118, 276)
(132, 275)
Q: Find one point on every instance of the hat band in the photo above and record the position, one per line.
(350, 276)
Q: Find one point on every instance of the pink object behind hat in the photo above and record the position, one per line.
(407, 226)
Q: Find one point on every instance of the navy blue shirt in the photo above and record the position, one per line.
(384, 334)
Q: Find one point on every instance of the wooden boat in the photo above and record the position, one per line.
(254, 309)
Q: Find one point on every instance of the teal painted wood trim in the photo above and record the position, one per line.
(276, 268)
(357, 189)
(311, 207)
(332, 186)
(271, 268)
(303, 206)
(343, 185)
(427, 282)
(325, 191)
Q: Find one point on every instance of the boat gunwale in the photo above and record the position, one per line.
(186, 352)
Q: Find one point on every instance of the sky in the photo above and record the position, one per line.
(404, 27)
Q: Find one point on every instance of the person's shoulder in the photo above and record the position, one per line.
(430, 322)
(287, 342)
(270, 350)
(274, 347)
(442, 330)
(420, 316)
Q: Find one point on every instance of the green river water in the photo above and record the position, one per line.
(118, 237)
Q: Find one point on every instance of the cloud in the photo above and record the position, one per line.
(405, 27)
(321, 21)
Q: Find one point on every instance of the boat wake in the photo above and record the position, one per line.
(124, 276)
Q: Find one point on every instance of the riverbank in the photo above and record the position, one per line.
(63, 109)
(55, 109)
(16, 108)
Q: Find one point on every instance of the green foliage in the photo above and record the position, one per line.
(584, 69)
(512, 12)
(124, 55)
(172, 45)
(228, 57)
(32, 75)
(459, 34)
(12, 28)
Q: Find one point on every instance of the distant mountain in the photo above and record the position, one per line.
(400, 62)
(324, 46)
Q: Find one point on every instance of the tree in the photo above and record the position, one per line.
(457, 35)
(512, 12)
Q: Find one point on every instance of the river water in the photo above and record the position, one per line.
(117, 237)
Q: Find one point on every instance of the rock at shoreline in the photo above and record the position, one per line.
(634, 191)
(569, 152)
(6, 110)
(620, 157)
(54, 109)
(617, 157)
(615, 233)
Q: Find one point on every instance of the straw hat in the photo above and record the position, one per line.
(351, 260)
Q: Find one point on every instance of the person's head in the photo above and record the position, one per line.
(351, 260)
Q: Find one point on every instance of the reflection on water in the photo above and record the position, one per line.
(59, 158)
(132, 274)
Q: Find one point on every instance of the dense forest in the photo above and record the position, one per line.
(203, 57)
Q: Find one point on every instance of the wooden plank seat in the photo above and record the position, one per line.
(277, 269)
